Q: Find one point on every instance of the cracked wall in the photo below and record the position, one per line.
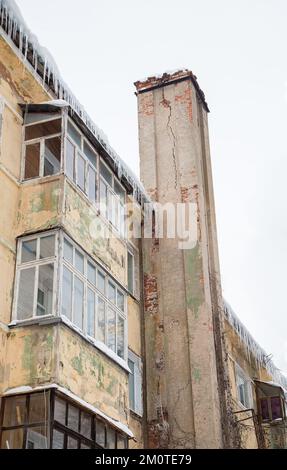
(181, 352)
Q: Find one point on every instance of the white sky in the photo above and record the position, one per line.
(237, 49)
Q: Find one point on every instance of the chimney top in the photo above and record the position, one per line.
(168, 78)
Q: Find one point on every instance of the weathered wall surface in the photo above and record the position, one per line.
(91, 375)
(179, 317)
(38, 354)
(30, 356)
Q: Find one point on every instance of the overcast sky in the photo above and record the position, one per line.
(237, 49)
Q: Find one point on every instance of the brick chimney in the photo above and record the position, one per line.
(187, 397)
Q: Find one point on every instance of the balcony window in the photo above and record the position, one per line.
(135, 383)
(42, 147)
(244, 391)
(35, 276)
(48, 420)
(90, 173)
(90, 299)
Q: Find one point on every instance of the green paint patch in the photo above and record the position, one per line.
(194, 280)
(196, 374)
(77, 364)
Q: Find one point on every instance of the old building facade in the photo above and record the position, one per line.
(109, 338)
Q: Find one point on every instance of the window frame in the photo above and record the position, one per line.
(59, 262)
(98, 294)
(51, 423)
(119, 227)
(240, 374)
(41, 141)
(137, 379)
(35, 264)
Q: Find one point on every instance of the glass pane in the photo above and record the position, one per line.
(91, 274)
(43, 129)
(26, 294)
(92, 156)
(101, 281)
(100, 433)
(52, 156)
(121, 300)
(72, 443)
(92, 185)
(70, 160)
(45, 290)
(121, 337)
(81, 173)
(78, 303)
(119, 191)
(111, 293)
(101, 320)
(67, 293)
(68, 251)
(12, 439)
(39, 408)
(131, 384)
(58, 440)
(32, 161)
(73, 418)
(111, 438)
(79, 261)
(47, 246)
(111, 208)
(103, 198)
(91, 313)
(121, 441)
(60, 411)
(276, 408)
(15, 411)
(37, 438)
(86, 424)
(130, 272)
(85, 446)
(105, 173)
(29, 249)
(264, 409)
(111, 339)
(76, 136)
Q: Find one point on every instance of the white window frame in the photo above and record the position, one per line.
(104, 296)
(112, 196)
(41, 141)
(240, 374)
(59, 262)
(136, 377)
(35, 264)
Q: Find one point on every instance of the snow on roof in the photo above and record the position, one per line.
(253, 348)
(33, 53)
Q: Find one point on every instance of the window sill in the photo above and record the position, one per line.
(52, 319)
(135, 415)
(41, 179)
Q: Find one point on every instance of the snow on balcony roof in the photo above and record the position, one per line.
(15, 29)
(253, 348)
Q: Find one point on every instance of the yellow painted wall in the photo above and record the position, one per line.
(38, 354)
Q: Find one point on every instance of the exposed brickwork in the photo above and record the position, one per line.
(158, 430)
(150, 294)
(186, 99)
(147, 105)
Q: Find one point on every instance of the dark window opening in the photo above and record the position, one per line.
(47, 420)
